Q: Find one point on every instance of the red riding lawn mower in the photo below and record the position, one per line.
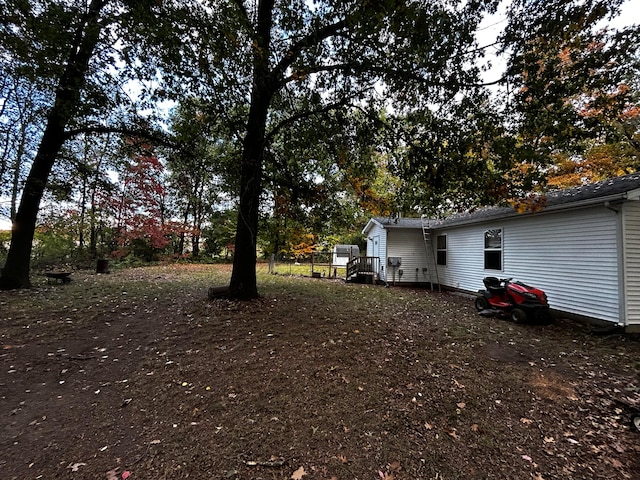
(516, 300)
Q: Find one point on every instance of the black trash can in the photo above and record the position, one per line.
(102, 266)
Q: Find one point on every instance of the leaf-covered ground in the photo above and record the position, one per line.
(137, 375)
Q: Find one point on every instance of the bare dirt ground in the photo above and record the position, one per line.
(137, 375)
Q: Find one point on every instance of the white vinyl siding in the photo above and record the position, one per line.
(409, 245)
(631, 213)
(379, 235)
(465, 258)
(572, 256)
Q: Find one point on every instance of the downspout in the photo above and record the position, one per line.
(620, 231)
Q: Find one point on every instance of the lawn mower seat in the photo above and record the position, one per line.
(493, 284)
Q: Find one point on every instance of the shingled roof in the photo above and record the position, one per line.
(398, 222)
(614, 189)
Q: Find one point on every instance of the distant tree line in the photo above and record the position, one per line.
(291, 122)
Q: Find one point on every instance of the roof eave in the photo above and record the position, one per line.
(370, 225)
(618, 197)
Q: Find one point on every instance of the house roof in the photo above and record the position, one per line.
(390, 222)
(612, 190)
(393, 223)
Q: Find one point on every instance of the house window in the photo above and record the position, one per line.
(441, 249)
(493, 249)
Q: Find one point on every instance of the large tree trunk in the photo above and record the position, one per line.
(243, 285)
(15, 273)
(93, 228)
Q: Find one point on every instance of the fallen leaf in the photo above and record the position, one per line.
(549, 440)
(475, 427)
(394, 466)
(527, 458)
(615, 463)
(75, 466)
(428, 426)
(452, 433)
(461, 404)
(343, 459)
(617, 447)
(298, 474)
(526, 421)
(113, 474)
(126, 474)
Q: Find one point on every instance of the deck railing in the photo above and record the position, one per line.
(362, 266)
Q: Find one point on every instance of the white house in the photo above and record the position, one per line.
(582, 248)
(398, 238)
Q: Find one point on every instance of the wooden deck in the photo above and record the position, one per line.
(363, 269)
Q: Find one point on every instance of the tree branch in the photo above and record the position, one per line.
(244, 15)
(156, 137)
(306, 114)
(313, 38)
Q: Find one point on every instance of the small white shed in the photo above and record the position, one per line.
(343, 253)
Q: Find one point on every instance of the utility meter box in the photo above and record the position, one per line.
(394, 261)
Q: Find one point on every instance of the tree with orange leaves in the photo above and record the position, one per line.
(576, 98)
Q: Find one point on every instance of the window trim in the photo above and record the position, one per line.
(489, 249)
(440, 251)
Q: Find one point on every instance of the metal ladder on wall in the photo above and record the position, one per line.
(431, 252)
